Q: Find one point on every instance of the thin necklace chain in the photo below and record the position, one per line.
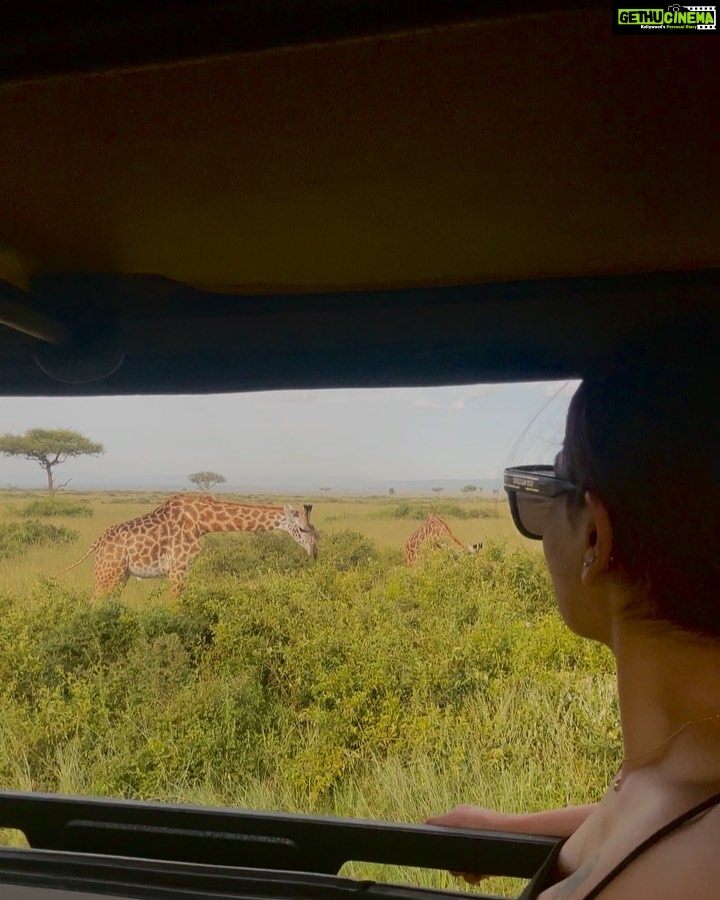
(617, 784)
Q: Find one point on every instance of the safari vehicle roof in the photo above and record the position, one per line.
(272, 194)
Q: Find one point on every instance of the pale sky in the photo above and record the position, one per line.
(344, 438)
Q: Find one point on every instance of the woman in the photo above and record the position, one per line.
(629, 518)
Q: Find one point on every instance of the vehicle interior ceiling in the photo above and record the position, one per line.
(448, 197)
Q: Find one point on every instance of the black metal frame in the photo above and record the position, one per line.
(170, 338)
(260, 853)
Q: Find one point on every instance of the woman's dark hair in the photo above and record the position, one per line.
(643, 434)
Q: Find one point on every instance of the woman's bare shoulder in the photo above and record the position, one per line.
(684, 864)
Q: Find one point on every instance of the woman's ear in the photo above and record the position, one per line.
(599, 541)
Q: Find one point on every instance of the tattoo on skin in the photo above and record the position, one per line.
(566, 888)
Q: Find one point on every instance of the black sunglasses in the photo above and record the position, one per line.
(531, 490)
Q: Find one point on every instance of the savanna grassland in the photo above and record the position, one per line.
(350, 686)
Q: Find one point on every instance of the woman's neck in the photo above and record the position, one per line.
(666, 680)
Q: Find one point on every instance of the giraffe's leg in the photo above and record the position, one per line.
(176, 577)
(185, 549)
(110, 582)
(111, 574)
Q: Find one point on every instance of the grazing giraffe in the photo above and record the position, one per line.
(164, 541)
(437, 531)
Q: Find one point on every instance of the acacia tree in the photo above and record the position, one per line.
(49, 448)
(206, 481)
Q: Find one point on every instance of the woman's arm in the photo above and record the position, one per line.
(552, 822)
(556, 822)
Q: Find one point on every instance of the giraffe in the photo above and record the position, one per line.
(437, 531)
(164, 541)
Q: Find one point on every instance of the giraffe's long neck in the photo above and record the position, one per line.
(457, 542)
(440, 529)
(219, 516)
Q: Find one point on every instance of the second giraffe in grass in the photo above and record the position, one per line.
(437, 531)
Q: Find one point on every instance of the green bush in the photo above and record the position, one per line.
(17, 538)
(243, 555)
(420, 511)
(305, 678)
(89, 640)
(46, 509)
(343, 550)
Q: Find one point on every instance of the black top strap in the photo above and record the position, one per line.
(653, 839)
(546, 875)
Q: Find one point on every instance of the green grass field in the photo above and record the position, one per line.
(370, 516)
(351, 686)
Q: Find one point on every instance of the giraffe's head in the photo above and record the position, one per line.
(297, 524)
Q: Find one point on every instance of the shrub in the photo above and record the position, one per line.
(46, 509)
(343, 550)
(193, 626)
(17, 538)
(89, 640)
(421, 511)
(243, 555)
(301, 675)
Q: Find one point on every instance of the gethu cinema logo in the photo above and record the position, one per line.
(675, 15)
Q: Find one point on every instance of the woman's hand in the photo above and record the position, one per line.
(554, 822)
(467, 816)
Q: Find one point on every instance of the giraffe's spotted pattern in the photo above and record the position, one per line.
(164, 541)
(435, 530)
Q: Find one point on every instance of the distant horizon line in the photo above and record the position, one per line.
(382, 486)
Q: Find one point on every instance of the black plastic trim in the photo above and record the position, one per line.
(41, 39)
(278, 841)
(103, 876)
(176, 340)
